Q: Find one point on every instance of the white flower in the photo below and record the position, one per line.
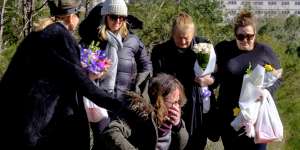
(203, 48)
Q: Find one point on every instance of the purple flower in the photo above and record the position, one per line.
(94, 62)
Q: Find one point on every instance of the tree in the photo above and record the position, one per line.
(158, 14)
(28, 8)
(2, 23)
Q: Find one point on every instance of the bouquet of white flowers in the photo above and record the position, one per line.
(253, 88)
(204, 65)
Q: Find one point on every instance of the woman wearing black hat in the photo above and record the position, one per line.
(43, 86)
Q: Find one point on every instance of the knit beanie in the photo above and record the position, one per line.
(64, 7)
(114, 7)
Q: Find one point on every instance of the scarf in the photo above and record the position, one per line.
(113, 45)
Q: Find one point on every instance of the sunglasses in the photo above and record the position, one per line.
(116, 17)
(241, 37)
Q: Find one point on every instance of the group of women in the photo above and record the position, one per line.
(153, 101)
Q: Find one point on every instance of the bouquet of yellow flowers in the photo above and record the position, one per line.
(256, 114)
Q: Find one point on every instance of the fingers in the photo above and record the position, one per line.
(94, 76)
(204, 80)
(174, 114)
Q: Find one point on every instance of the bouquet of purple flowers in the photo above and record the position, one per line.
(93, 59)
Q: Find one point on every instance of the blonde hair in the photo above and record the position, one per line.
(43, 23)
(244, 18)
(102, 30)
(182, 22)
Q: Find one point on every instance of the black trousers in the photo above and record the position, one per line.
(233, 140)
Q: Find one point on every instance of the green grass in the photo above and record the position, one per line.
(288, 103)
(5, 57)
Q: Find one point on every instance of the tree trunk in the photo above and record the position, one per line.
(2, 24)
(28, 6)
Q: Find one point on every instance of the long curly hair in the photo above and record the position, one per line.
(159, 87)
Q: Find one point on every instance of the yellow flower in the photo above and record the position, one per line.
(268, 68)
(236, 111)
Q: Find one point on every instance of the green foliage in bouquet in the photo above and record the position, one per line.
(202, 59)
(94, 46)
(249, 69)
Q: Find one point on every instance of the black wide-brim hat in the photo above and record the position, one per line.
(64, 7)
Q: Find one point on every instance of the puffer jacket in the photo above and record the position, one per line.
(134, 66)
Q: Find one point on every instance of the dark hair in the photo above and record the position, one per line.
(244, 18)
(88, 28)
(159, 87)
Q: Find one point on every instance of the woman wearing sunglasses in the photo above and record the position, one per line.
(233, 59)
(130, 63)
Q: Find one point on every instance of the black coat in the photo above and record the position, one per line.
(167, 58)
(42, 90)
(232, 65)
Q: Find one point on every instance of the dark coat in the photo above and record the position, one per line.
(232, 65)
(167, 58)
(43, 85)
(130, 134)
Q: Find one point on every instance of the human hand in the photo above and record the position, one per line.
(174, 115)
(94, 76)
(100, 75)
(241, 131)
(204, 80)
(263, 94)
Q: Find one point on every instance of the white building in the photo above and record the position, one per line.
(263, 7)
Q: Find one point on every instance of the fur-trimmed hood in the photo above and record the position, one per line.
(140, 105)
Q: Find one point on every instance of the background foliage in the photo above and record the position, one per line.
(282, 34)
